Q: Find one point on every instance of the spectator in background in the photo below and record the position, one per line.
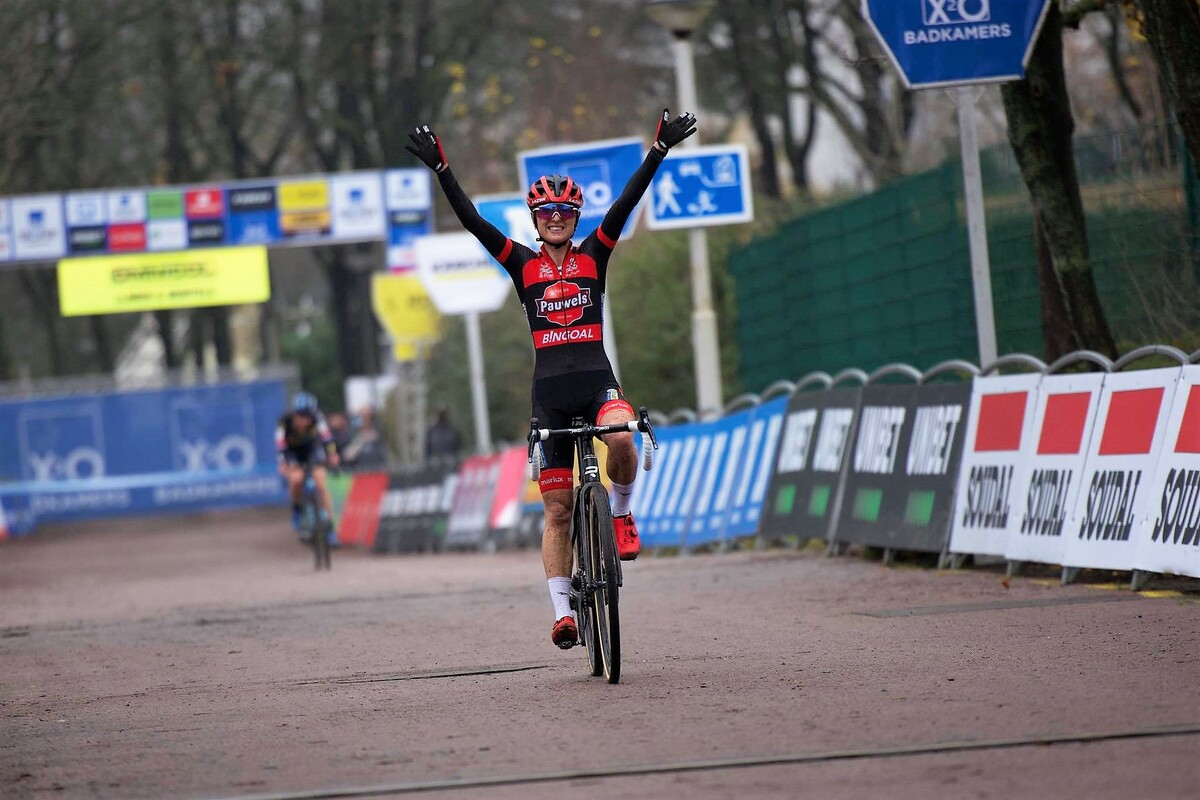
(442, 440)
(339, 429)
(366, 450)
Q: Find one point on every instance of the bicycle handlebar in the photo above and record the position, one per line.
(642, 423)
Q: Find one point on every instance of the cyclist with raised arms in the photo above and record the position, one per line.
(303, 436)
(562, 289)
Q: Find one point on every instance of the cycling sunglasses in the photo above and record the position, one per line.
(550, 209)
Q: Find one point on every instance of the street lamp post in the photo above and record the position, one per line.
(680, 18)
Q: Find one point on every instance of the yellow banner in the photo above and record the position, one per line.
(218, 276)
(404, 309)
(306, 196)
(305, 221)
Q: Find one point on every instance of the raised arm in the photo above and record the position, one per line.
(670, 132)
(428, 147)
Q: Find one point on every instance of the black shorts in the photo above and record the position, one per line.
(560, 400)
(313, 454)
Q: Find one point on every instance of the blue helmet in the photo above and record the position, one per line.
(303, 401)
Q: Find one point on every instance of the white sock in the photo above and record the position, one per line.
(621, 494)
(560, 596)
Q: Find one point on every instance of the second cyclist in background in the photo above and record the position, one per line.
(304, 437)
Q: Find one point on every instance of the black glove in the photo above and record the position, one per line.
(673, 131)
(427, 147)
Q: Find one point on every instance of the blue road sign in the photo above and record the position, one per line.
(957, 42)
(510, 215)
(602, 168)
(701, 186)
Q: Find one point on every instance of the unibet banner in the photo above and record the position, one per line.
(1114, 493)
(903, 467)
(808, 469)
(999, 437)
(146, 282)
(1044, 491)
(1168, 539)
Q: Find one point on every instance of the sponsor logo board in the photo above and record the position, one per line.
(127, 238)
(251, 198)
(303, 196)
(357, 203)
(38, 231)
(903, 466)
(166, 234)
(998, 441)
(206, 231)
(408, 189)
(1045, 492)
(127, 206)
(86, 209)
(88, 240)
(1114, 488)
(204, 203)
(164, 204)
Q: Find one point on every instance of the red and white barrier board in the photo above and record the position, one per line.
(1045, 492)
(1122, 456)
(998, 441)
(1168, 535)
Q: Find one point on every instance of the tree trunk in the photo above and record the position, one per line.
(1057, 337)
(1172, 27)
(1040, 126)
(104, 359)
(358, 332)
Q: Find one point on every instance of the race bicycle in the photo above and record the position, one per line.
(596, 572)
(314, 523)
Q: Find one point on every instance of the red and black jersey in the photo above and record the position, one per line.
(564, 306)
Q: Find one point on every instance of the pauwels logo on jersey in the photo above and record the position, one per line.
(563, 303)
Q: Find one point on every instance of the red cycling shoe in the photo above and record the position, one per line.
(628, 543)
(564, 634)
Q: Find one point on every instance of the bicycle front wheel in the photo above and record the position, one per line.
(320, 537)
(601, 545)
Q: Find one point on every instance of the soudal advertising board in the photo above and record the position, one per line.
(1045, 491)
(999, 435)
(808, 466)
(903, 467)
(1168, 537)
(1114, 493)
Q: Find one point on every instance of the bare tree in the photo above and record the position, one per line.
(1040, 126)
(1173, 29)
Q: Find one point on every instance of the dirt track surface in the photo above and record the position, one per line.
(201, 657)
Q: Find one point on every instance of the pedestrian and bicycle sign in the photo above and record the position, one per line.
(701, 186)
(957, 42)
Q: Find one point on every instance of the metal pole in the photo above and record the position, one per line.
(610, 340)
(705, 347)
(981, 273)
(483, 429)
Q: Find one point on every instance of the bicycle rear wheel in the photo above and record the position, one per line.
(601, 547)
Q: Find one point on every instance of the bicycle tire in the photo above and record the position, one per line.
(602, 552)
(320, 537)
(582, 599)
